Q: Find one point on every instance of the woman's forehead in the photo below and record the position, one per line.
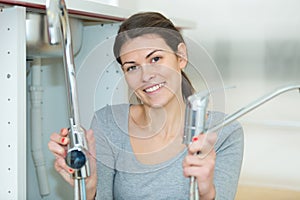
(144, 43)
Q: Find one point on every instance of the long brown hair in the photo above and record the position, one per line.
(152, 23)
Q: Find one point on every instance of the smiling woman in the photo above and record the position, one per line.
(152, 69)
(136, 149)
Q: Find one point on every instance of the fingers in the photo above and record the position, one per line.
(61, 138)
(198, 167)
(91, 144)
(62, 168)
(200, 161)
(92, 180)
(58, 143)
(92, 150)
(203, 143)
(91, 140)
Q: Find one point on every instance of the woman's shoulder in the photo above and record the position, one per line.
(232, 131)
(111, 115)
(216, 117)
(112, 110)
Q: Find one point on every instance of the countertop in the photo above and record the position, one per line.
(85, 9)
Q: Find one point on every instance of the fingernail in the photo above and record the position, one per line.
(195, 139)
(71, 171)
(62, 140)
(61, 130)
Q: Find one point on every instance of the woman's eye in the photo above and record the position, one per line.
(155, 59)
(131, 68)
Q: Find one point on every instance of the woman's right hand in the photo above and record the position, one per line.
(58, 145)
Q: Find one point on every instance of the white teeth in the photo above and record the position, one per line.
(154, 88)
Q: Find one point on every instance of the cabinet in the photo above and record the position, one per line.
(32, 81)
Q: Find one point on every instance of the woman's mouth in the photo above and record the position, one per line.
(154, 87)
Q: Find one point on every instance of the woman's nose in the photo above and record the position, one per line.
(148, 73)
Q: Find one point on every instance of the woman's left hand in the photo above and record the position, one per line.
(200, 163)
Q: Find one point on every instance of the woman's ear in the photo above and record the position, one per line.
(182, 55)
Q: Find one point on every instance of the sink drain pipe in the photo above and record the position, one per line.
(36, 100)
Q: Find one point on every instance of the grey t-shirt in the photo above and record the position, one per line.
(122, 176)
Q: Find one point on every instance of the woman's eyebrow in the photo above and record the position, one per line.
(128, 62)
(152, 52)
(147, 56)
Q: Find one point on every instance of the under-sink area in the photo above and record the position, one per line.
(32, 81)
(37, 39)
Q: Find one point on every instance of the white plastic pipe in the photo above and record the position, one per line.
(36, 98)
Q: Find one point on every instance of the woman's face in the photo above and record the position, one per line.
(152, 69)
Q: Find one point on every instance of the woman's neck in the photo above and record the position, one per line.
(167, 120)
(156, 133)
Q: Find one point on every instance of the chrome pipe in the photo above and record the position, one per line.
(195, 114)
(59, 32)
(251, 106)
(195, 120)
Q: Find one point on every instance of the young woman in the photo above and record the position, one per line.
(136, 150)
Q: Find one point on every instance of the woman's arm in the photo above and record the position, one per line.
(228, 163)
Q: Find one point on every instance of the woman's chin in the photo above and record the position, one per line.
(155, 104)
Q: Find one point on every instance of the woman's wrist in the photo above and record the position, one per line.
(91, 190)
(210, 195)
(92, 195)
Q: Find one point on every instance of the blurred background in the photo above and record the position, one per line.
(256, 47)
